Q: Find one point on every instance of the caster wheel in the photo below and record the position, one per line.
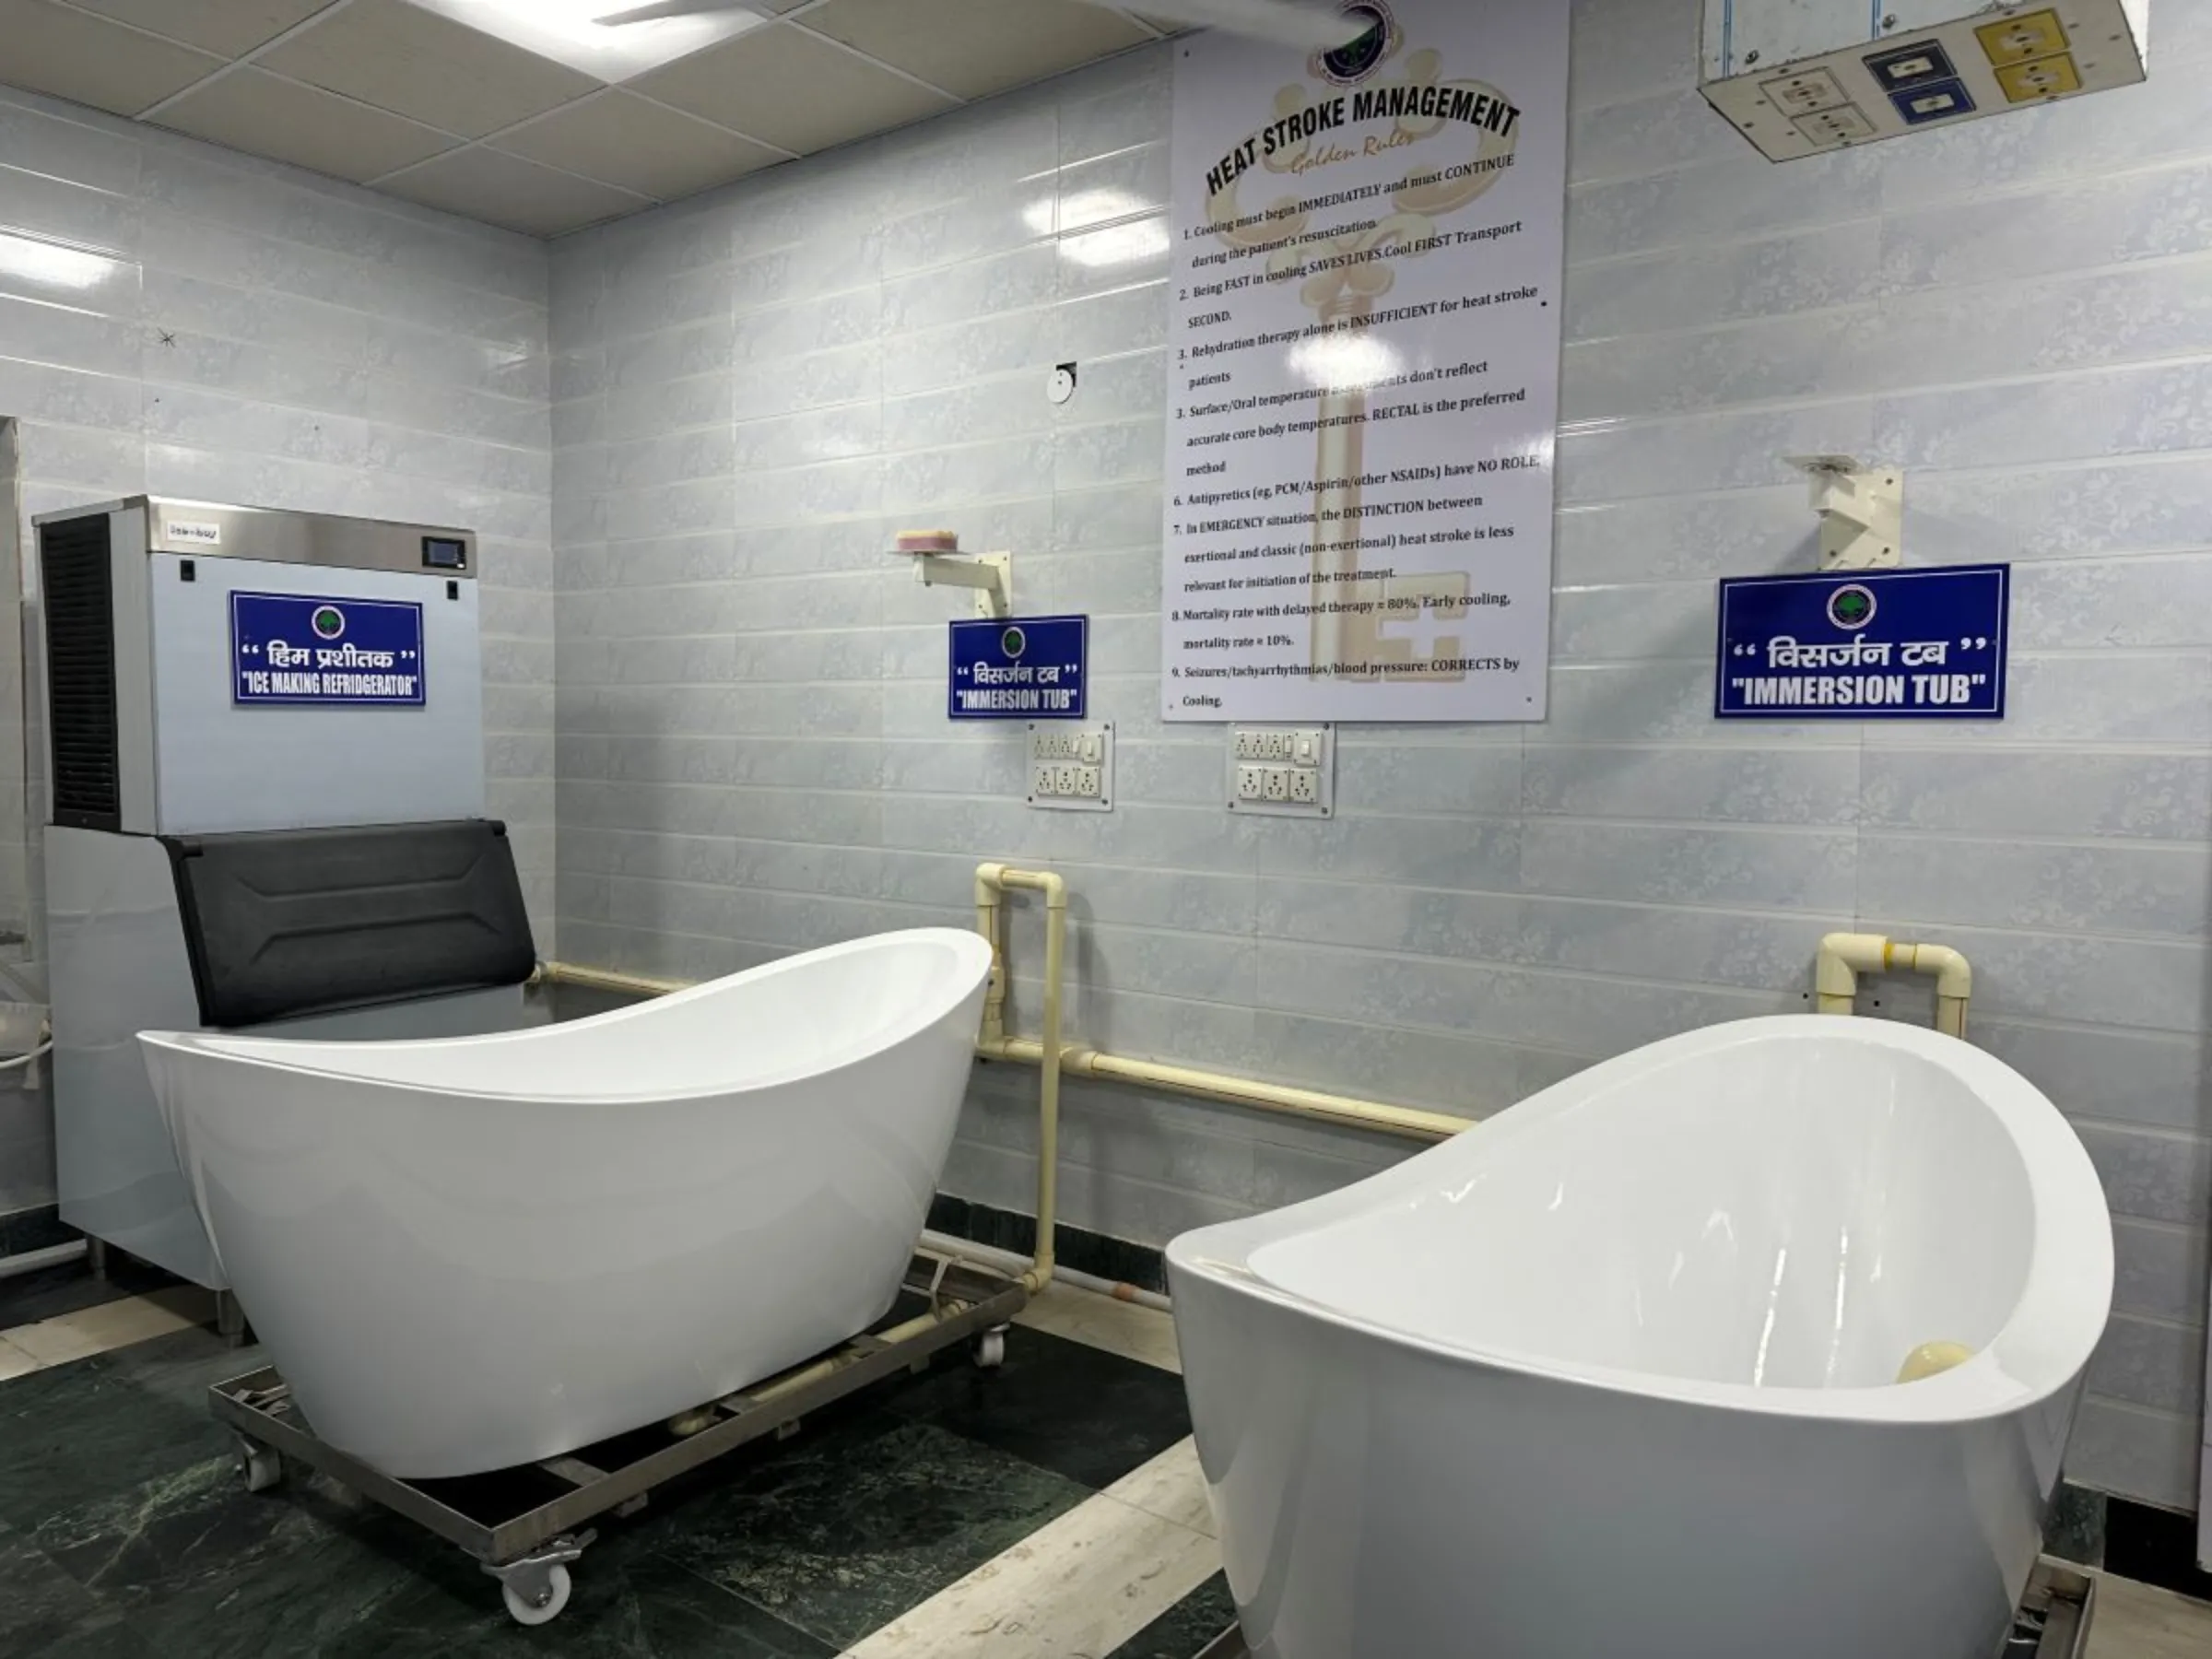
(991, 1349)
(263, 1467)
(524, 1612)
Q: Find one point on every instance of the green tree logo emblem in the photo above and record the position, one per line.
(1850, 608)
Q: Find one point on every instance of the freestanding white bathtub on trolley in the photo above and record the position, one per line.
(469, 1254)
(1616, 1372)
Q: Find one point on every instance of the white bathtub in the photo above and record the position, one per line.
(474, 1254)
(1613, 1373)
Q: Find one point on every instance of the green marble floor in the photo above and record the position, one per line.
(125, 1529)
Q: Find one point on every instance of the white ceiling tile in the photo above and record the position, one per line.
(48, 48)
(628, 140)
(500, 189)
(426, 67)
(787, 88)
(267, 115)
(977, 47)
(231, 27)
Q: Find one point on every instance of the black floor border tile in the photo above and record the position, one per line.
(2131, 1540)
(39, 1227)
(2154, 1546)
(1187, 1629)
(1080, 1412)
(71, 1287)
(1076, 1247)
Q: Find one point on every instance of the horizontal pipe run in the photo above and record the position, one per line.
(31, 1261)
(1013, 1261)
(1407, 1121)
(1283, 1098)
(606, 979)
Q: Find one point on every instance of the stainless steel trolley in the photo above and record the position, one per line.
(530, 1553)
(2053, 1619)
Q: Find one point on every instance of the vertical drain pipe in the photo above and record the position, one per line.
(991, 882)
(987, 923)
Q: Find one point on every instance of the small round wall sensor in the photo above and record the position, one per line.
(1062, 386)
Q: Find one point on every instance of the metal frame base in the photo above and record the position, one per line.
(2060, 1603)
(530, 1553)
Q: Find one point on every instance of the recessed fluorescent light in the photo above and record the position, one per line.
(564, 30)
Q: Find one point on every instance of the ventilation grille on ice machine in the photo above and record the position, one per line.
(77, 589)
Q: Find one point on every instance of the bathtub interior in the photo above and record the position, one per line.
(810, 1014)
(1782, 1214)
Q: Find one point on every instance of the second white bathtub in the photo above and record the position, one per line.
(469, 1254)
(1616, 1372)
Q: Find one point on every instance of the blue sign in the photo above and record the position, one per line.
(1019, 668)
(287, 648)
(1866, 645)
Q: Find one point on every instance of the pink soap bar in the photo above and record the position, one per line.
(928, 541)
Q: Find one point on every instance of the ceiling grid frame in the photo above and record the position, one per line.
(390, 180)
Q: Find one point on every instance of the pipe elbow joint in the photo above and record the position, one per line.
(1845, 955)
(1954, 974)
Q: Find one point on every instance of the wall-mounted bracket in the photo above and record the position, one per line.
(1862, 512)
(990, 574)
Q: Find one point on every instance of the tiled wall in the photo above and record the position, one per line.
(180, 320)
(752, 391)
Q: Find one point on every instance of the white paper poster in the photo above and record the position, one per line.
(1363, 372)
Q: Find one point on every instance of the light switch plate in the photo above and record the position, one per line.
(1283, 771)
(1071, 766)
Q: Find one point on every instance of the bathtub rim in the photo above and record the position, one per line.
(2043, 1348)
(942, 998)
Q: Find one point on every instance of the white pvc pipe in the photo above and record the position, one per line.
(1008, 1260)
(31, 1261)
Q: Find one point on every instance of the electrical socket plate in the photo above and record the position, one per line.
(1071, 766)
(1283, 771)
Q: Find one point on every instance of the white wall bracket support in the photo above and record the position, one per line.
(1862, 512)
(990, 574)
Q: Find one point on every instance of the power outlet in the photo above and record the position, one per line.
(1283, 771)
(1071, 767)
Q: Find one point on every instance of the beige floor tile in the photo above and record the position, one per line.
(1172, 1487)
(1119, 1328)
(1075, 1589)
(113, 1325)
(14, 1362)
(2136, 1621)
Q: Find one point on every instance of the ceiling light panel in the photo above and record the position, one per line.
(425, 66)
(565, 31)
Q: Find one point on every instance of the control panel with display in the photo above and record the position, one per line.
(444, 553)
